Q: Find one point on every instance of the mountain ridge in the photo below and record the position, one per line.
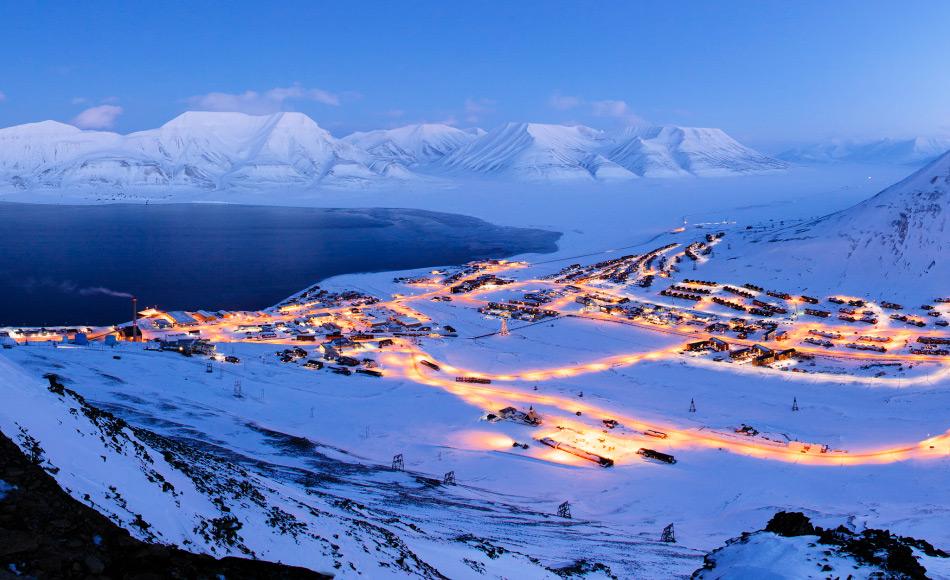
(892, 242)
(222, 150)
(912, 151)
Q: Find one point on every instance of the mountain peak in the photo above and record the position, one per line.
(219, 150)
(675, 150)
(47, 128)
(412, 145)
(891, 244)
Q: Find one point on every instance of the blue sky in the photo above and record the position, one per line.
(767, 72)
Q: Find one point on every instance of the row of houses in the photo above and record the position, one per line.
(480, 282)
(184, 344)
(519, 312)
(619, 270)
(759, 354)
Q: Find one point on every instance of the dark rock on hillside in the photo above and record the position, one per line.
(45, 533)
(888, 555)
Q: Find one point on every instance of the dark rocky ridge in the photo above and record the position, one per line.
(892, 555)
(45, 533)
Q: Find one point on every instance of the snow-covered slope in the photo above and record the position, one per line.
(31, 153)
(764, 555)
(413, 144)
(790, 547)
(288, 499)
(196, 149)
(894, 244)
(536, 151)
(220, 151)
(523, 150)
(670, 150)
(915, 151)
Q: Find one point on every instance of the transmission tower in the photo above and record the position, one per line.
(794, 403)
(398, 463)
(692, 406)
(238, 393)
(504, 327)
(209, 369)
(668, 535)
(564, 510)
(449, 478)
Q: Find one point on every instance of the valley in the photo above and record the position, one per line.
(630, 388)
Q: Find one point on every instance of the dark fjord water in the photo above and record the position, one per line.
(58, 264)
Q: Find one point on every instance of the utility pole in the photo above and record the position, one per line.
(135, 320)
(564, 510)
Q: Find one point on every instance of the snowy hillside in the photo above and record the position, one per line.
(914, 151)
(194, 150)
(412, 145)
(537, 151)
(791, 547)
(894, 243)
(250, 491)
(664, 151)
(534, 151)
(221, 151)
(31, 153)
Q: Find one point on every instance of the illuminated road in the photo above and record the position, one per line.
(581, 423)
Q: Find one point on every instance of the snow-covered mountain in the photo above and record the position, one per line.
(665, 151)
(413, 145)
(894, 244)
(915, 151)
(536, 151)
(196, 149)
(902, 233)
(30, 153)
(220, 151)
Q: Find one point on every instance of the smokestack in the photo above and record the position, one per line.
(135, 320)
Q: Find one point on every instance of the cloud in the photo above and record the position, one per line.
(101, 117)
(476, 108)
(614, 109)
(607, 108)
(564, 102)
(253, 102)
